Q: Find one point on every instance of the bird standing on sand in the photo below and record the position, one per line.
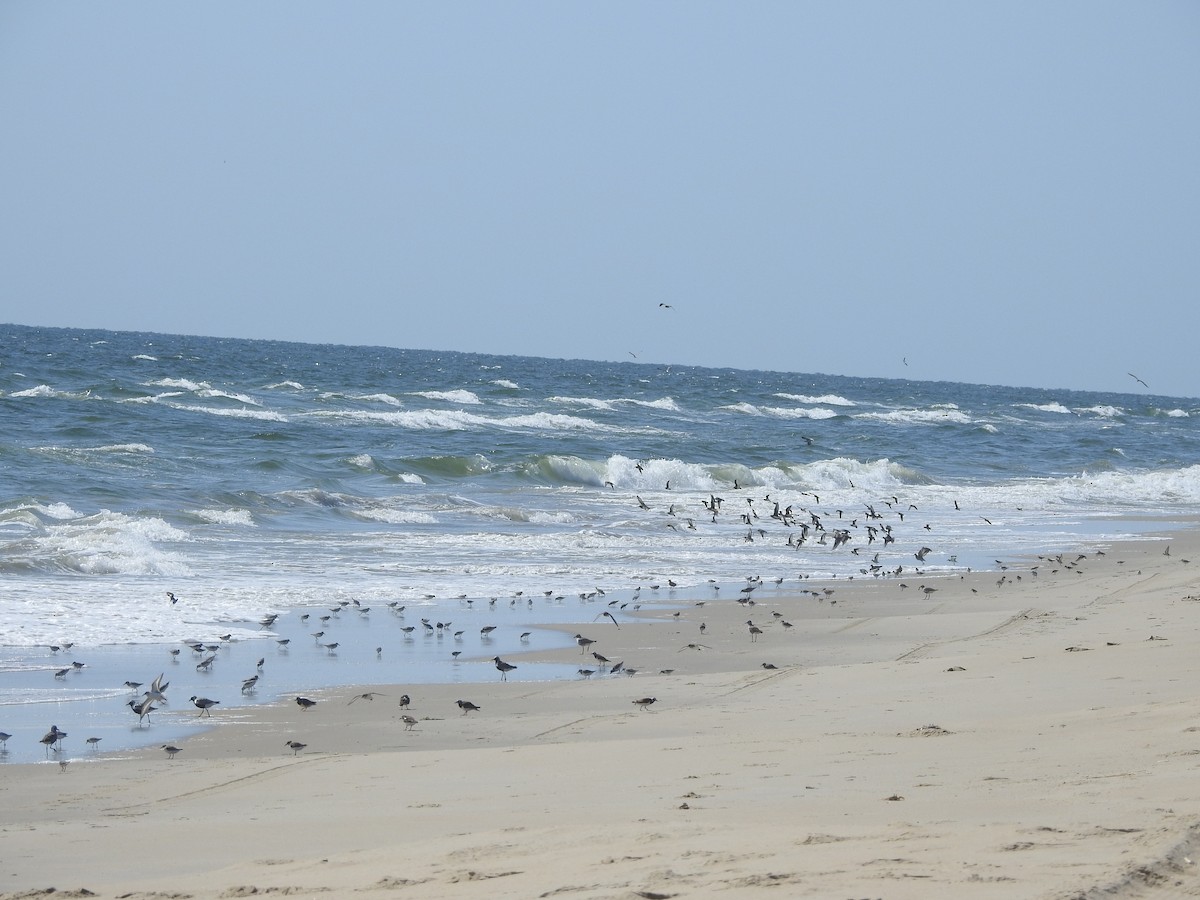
(404, 701)
(466, 706)
(755, 631)
(504, 668)
(296, 746)
(645, 702)
(409, 722)
(171, 750)
(583, 642)
(305, 704)
(204, 705)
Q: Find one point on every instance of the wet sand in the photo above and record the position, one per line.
(1006, 735)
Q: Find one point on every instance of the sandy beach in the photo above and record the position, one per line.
(1033, 732)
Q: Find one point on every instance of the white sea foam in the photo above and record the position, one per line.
(1046, 407)
(782, 412)
(823, 399)
(226, 395)
(225, 516)
(145, 356)
(937, 416)
(459, 396)
(505, 383)
(181, 383)
(263, 414)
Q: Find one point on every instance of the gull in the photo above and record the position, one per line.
(369, 695)
(171, 750)
(204, 705)
(504, 668)
(296, 746)
(305, 704)
(466, 706)
(1138, 380)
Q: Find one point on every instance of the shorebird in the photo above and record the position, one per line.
(755, 631)
(466, 706)
(486, 630)
(296, 746)
(204, 705)
(4, 736)
(409, 722)
(504, 668)
(921, 554)
(92, 742)
(171, 750)
(305, 704)
(583, 642)
(369, 695)
(172, 598)
(142, 708)
(645, 702)
(53, 738)
(587, 673)
(249, 683)
(404, 701)
(133, 685)
(157, 686)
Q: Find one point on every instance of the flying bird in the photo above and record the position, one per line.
(1138, 380)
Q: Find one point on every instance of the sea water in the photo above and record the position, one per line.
(256, 478)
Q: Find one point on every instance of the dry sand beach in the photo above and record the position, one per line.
(1007, 735)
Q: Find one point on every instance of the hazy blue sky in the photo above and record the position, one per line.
(996, 192)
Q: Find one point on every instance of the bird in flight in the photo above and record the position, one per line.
(666, 306)
(1138, 380)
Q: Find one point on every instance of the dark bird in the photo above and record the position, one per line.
(922, 553)
(305, 704)
(466, 706)
(1138, 380)
(172, 598)
(143, 708)
(204, 705)
(503, 667)
(645, 702)
(409, 722)
(171, 750)
(404, 701)
(296, 746)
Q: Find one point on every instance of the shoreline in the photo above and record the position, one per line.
(1000, 736)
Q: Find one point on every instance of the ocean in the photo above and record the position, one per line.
(376, 487)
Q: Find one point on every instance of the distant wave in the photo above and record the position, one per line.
(919, 416)
(505, 383)
(145, 356)
(666, 403)
(225, 516)
(826, 399)
(459, 396)
(458, 420)
(1046, 407)
(263, 414)
(782, 412)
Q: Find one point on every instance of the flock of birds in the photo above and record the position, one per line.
(810, 523)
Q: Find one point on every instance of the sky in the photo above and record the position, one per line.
(986, 192)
